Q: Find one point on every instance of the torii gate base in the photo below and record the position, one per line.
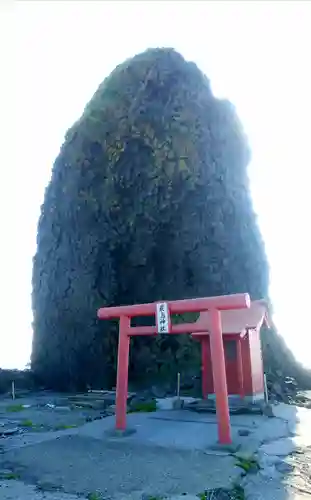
(209, 322)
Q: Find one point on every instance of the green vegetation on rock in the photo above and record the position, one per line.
(149, 199)
(27, 423)
(235, 493)
(143, 407)
(249, 465)
(15, 408)
(94, 496)
(9, 476)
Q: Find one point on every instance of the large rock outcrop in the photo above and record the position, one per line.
(149, 198)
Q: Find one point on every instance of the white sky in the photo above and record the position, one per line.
(54, 55)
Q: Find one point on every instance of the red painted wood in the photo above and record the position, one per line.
(256, 362)
(247, 367)
(239, 363)
(242, 383)
(222, 303)
(219, 378)
(122, 373)
(206, 364)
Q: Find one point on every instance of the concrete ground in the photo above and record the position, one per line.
(171, 453)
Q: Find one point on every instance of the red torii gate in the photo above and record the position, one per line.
(208, 321)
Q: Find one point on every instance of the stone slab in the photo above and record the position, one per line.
(280, 447)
